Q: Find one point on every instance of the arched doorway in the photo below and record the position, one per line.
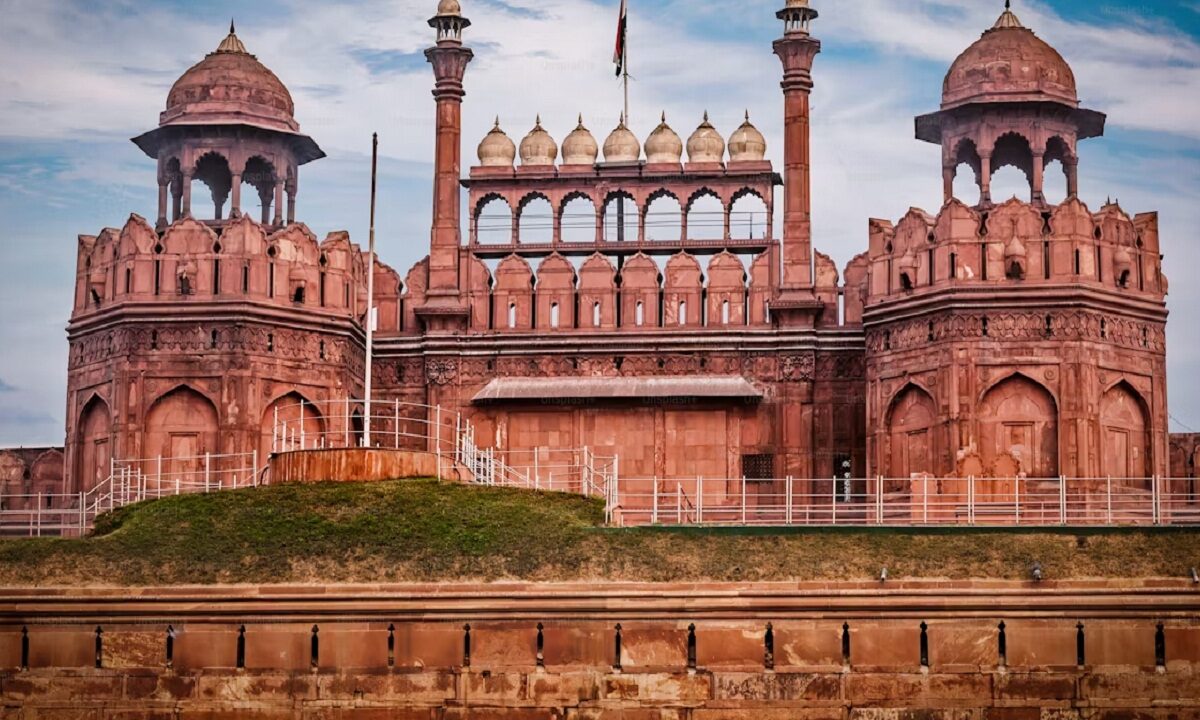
(1019, 418)
(911, 421)
(1124, 440)
(92, 446)
(181, 428)
(287, 412)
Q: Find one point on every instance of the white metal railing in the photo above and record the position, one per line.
(129, 481)
(398, 425)
(908, 502)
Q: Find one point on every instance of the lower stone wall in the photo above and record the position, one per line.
(531, 652)
(361, 465)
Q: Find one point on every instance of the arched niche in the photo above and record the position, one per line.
(967, 169)
(93, 448)
(1012, 168)
(620, 218)
(181, 428)
(1125, 437)
(663, 219)
(295, 416)
(260, 174)
(911, 420)
(1018, 418)
(535, 220)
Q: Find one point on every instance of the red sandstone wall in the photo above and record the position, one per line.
(703, 663)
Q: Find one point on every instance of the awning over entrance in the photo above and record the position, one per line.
(618, 388)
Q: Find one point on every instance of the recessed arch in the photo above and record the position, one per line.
(1125, 438)
(181, 427)
(910, 421)
(93, 445)
(261, 174)
(1018, 419)
(290, 422)
(967, 169)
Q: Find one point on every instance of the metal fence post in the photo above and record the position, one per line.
(396, 431)
(879, 500)
(1108, 481)
(789, 492)
(207, 468)
(275, 432)
(39, 515)
(743, 499)
(302, 447)
(254, 469)
(833, 498)
(700, 500)
(1156, 498)
(1017, 499)
(925, 500)
(678, 503)
(654, 503)
(82, 520)
(346, 423)
(1062, 498)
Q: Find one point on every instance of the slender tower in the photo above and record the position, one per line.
(444, 311)
(796, 304)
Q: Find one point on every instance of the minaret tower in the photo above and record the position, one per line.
(444, 310)
(797, 49)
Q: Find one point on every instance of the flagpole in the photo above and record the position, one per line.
(370, 293)
(628, 122)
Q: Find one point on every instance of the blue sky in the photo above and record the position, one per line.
(78, 78)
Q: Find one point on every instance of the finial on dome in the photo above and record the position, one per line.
(1008, 19)
(231, 43)
(538, 122)
(497, 122)
(580, 119)
(664, 116)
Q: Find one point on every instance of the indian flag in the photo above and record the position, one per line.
(622, 27)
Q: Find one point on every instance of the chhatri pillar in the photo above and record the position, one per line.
(795, 304)
(444, 310)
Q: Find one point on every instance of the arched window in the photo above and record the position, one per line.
(683, 312)
(553, 315)
(966, 172)
(512, 315)
(578, 220)
(494, 222)
(596, 314)
(748, 218)
(706, 217)
(725, 312)
(620, 219)
(640, 313)
(664, 219)
(536, 226)
(1012, 168)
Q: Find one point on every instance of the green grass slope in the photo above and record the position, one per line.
(428, 531)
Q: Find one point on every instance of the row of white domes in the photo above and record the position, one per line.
(662, 146)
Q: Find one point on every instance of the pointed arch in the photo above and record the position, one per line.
(662, 217)
(1018, 418)
(492, 220)
(294, 421)
(705, 211)
(535, 219)
(577, 215)
(181, 426)
(93, 445)
(1125, 432)
(620, 217)
(911, 423)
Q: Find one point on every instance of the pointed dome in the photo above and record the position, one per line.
(663, 145)
(538, 148)
(706, 144)
(1009, 63)
(580, 148)
(497, 149)
(622, 145)
(230, 86)
(747, 144)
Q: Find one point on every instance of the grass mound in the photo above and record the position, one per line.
(422, 530)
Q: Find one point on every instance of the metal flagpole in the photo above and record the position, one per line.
(370, 293)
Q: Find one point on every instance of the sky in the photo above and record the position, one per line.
(78, 78)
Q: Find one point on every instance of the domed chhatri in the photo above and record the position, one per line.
(1009, 63)
(747, 144)
(706, 144)
(230, 85)
(622, 145)
(663, 146)
(497, 149)
(538, 148)
(580, 148)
